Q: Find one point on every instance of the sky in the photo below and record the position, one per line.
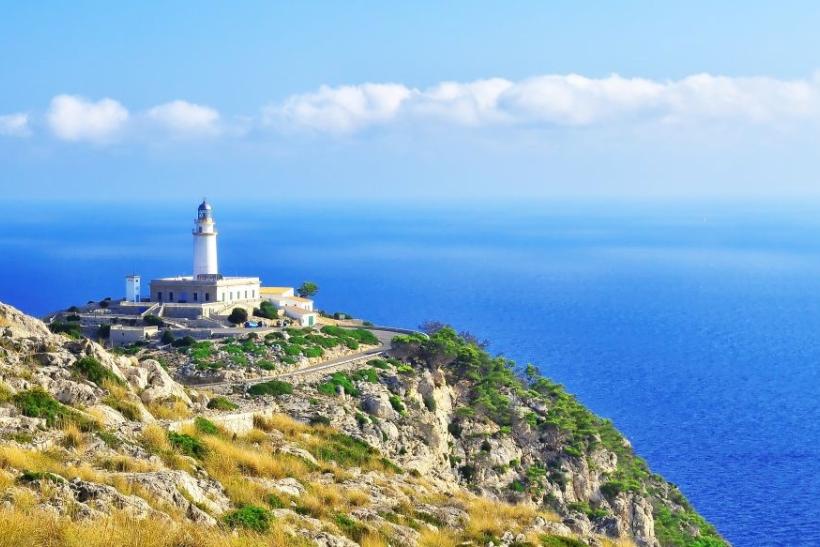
(415, 101)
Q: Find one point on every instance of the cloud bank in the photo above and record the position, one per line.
(548, 101)
(551, 100)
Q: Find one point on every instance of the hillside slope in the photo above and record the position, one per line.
(441, 444)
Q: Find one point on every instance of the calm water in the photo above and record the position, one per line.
(694, 328)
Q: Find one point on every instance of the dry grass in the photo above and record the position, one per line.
(437, 538)
(169, 410)
(51, 462)
(281, 422)
(371, 539)
(228, 457)
(256, 436)
(493, 518)
(620, 542)
(73, 437)
(155, 439)
(21, 528)
(126, 464)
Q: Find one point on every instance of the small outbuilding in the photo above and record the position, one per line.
(122, 336)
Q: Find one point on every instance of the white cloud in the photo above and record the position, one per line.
(186, 119)
(339, 109)
(14, 125)
(75, 118)
(553, 100)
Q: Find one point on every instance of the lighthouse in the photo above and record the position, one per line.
(204, 241)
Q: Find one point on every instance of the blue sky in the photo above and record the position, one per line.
(359, 100)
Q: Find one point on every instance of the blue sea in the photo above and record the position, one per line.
(694, 327)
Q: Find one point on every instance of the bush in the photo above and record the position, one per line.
(221, 403)
(313, 352)
(379, 363)
(351, 528)
(72, 330)
(275, 501)
(266, 310)
(238, 315)
(167, 337)
(184, 342)
(128, 409)
(365, 375)
(153, 320)
(250, 517)
(38, 403)
(95, 371)
(206, 426)
(104, 331)
(338, 379)
(190, 446)
(264, 364)
(397, 405)
(273, 387)
(560, 541)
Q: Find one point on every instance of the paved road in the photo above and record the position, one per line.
(384, 337)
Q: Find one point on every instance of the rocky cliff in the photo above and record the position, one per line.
(439, 444)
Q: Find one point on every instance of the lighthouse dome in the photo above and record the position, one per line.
(204, 206)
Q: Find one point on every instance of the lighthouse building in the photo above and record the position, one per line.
(206, 292)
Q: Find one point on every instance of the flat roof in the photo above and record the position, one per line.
(275, 290)
(299, 311)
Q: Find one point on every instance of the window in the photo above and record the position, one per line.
(196, 296)
(170, 296)
(207, 297)
(253, 293)
(230, 295)
(159, 296)
(223, 296)
(246, 294)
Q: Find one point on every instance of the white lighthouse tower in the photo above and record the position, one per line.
(204, 242)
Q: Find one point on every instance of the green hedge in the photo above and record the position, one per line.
(273, 387)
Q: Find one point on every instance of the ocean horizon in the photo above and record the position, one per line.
(692, 326)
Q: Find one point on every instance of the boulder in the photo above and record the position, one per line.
(161, 385)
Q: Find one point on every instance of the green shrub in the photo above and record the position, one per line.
(379, 363)
(190, 446)
(72, 330)
(265, 364)
(238, 315)
(104, 331)
(221, 403)
(339, 379)
(184, 342)
(38, 403)
(33, 476)
(275, 501)
(319, 420)
(153, 320)
(560, 541)
(266, 310)
(272, 387)
(95, 371)
(314, 351)
(365, 375)
(250, 517)
(430, 402)
(128, 409)
(167, 337)
(351, 527)
(517, 486)
(204, 425)
(397, 405)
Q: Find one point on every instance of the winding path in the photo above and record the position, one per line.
(384, 334)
